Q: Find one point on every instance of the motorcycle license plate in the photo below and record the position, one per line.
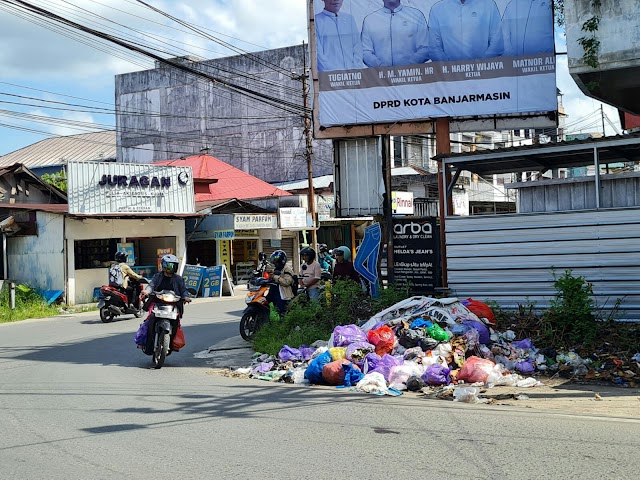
(166, 312)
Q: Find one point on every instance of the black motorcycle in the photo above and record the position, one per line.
(114, 302)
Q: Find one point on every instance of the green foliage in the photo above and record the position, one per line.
(58, 180)
(570, 319)
(28, 305)
(305, 322)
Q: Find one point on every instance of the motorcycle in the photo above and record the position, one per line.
(165, 313)
(114, 301)
(258, 309)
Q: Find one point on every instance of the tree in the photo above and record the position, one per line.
(58, 180)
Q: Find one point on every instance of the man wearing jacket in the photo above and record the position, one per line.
(465, 30)
(338, 45)
(394, 35)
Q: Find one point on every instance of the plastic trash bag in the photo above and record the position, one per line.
(415, 383)
(482, 310)
(373, 383)
(370, 362)
(313, 373)
(410, 338)
(338, 353)
(459, 329)
(523, 344)
(344, 335)
(468, 395)
(352, 374)
(525, 367)
(528, 382)
(437, 374)
(413, 353)
(289, 354)
(263, 368)
(421, 323)
(141, 335)
(307, 353)
(383, 338)
(333, 373)
(436, 332)
(428, 343)
(319, 351)
(483, 332)
(399, 374)
(445, 352)
(475, 369)
(359, 350)
(471, 338)
(385, 364)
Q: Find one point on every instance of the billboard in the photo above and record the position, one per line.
(387, 61)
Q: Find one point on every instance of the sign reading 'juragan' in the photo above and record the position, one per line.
(134, 181)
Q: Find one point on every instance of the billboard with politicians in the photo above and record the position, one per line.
(385, 61)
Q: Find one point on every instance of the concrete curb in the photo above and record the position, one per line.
(232, 353)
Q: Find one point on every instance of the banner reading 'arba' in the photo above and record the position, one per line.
(401, 60)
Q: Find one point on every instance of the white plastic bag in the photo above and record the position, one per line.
(528, 382)
(399, 374)
(468, 395)
(373, 383)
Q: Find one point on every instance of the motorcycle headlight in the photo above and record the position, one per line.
(168, 297)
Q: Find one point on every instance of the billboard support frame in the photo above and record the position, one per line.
(443, 146)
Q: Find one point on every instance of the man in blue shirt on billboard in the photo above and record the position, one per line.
(465, 30)
(338, 44)
(528, 27)
(394, 35)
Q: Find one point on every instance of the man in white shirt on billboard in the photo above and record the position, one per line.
(394, 35)
(465, 30)
(528, 27)
(338, 45)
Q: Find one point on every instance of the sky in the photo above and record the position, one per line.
(35, 59)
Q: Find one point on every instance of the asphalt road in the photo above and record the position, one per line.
(78, 401)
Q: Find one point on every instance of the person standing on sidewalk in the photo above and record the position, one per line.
(310, 273)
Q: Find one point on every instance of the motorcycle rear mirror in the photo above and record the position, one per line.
(262, 256)
(192, 292)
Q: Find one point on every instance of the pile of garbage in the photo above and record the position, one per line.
(446, 348)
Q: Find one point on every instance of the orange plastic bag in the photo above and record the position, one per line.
(475, 369)
(482, 310)
(178, 340)
(333, 373)
(383, 339)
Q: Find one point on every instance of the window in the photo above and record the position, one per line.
(94, 253)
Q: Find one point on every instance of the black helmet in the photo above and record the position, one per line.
(323, 248)
(278, 259)
(121, 257)
(308, 251)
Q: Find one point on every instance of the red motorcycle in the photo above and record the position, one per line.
(114, 301)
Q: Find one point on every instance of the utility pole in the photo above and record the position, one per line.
(309, 148)
(602, 117)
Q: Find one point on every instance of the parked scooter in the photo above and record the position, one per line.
(114, 301)
(258, 309)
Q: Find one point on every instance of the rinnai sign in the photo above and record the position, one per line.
(389, 61)
(99, 188)
(402, 203)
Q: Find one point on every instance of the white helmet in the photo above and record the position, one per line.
(169, 264)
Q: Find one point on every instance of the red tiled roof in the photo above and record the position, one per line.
(231, 182)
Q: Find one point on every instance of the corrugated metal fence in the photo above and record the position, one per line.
(510, 258)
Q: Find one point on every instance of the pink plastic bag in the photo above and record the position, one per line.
(475, 369)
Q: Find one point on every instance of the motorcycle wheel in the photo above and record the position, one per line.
(106, 315)
(161, 350)
(248, 325)
(139, 313)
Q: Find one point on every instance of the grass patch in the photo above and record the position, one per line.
(305, 322)
(28, 305)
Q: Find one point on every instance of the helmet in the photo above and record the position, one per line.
(170, 264)
(342, 251)
(121, 257)
(278, 259)
(308, 251)
(323, 248)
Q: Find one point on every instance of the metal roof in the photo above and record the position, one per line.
(324, 181)
(59, 150)
(575, 153)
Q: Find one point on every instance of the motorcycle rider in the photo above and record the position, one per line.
(343, 269)
(324, 258)
(283, 276)
(311, 273)
(127, 273)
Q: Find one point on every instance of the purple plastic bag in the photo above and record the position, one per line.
(370, 361)
(141, 334)
(343, 336)
(523, 344)
(263, 368)
(525, 367)
(359, 350)
(306, 352)
(385, 364)
(483, 332)
(437, 374)
(289, 354)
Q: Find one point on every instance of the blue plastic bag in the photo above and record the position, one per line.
(141, 334)
(421, 323)
(351, 375)
(313, 373)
